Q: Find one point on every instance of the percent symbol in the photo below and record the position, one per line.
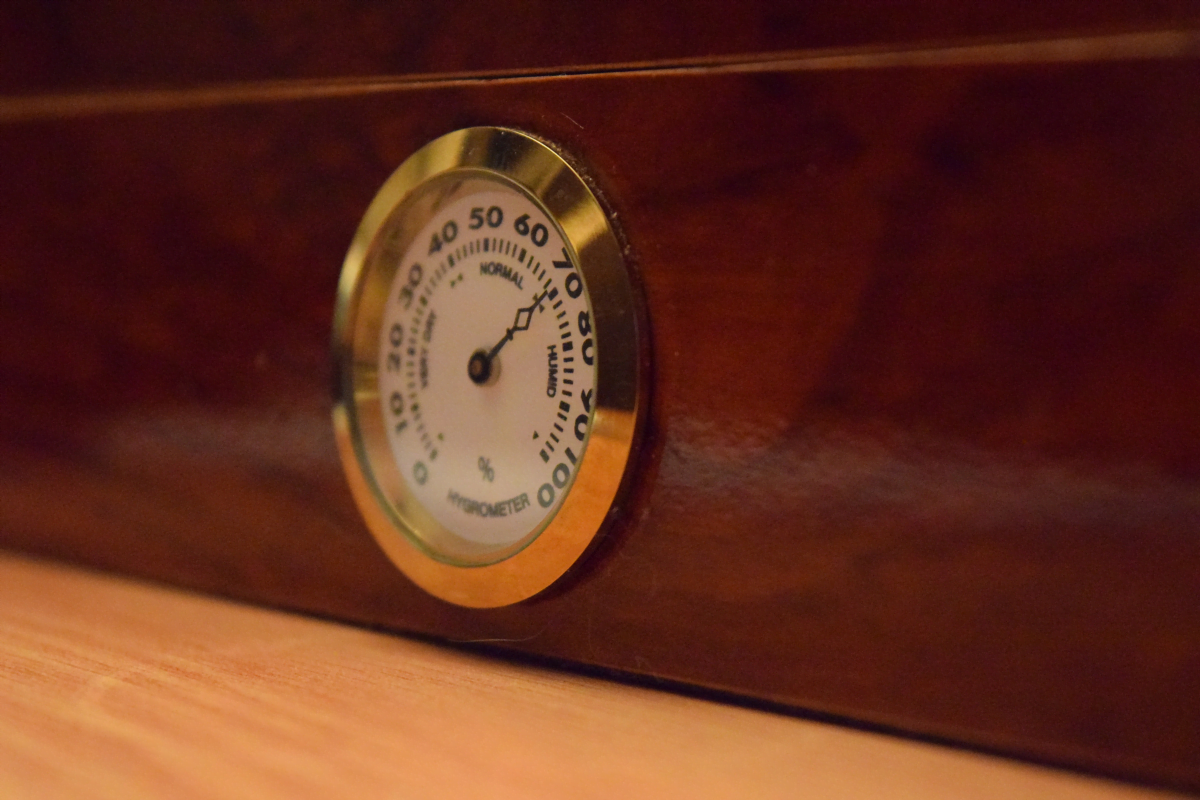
(485, 467)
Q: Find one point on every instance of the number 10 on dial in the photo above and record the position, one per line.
(489, 362)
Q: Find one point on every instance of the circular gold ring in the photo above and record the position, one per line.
(429, 179)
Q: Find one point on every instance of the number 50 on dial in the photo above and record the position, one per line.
(489, 364)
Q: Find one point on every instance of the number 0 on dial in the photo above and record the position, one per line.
(488, 367)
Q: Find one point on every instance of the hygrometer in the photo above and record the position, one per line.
(488, 358)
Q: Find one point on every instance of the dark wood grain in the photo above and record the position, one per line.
(923, 449)
(69, 46)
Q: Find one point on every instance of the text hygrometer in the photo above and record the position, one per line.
(488, 374)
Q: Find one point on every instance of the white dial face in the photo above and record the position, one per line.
(487, 367)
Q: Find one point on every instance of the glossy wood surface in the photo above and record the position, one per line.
(118, 690)
(70, 46)
(923, 449)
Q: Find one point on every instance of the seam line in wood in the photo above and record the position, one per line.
(1148, 45)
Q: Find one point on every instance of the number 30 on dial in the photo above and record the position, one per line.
(489, 370)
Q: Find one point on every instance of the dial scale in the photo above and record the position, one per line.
(491, 458)
(488, 373)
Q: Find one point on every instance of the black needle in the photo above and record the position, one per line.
(479, 368)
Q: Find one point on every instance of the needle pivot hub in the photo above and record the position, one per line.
(479, 367)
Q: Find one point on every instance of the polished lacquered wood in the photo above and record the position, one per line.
(922, 451)
(114, 689)
(66, 47)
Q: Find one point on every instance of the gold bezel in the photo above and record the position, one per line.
(406, 201)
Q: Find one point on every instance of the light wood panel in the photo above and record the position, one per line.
(113, 689)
